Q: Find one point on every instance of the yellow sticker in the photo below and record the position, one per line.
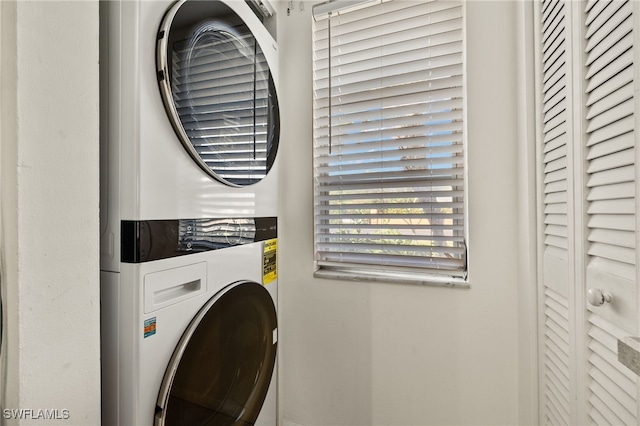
(269, 261)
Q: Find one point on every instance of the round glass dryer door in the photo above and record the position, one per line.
(220, 371)
(218, 91)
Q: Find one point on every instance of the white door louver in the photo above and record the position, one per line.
(611, 215)
(554, 121)
(610, 139)
(556, 336)
(589, 214)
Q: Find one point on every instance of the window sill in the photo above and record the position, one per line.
(392, 277)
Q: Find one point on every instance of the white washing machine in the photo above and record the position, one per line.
(196, 345)
(190, 131)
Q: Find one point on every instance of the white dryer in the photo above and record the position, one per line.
(190, 131)
(190, 114)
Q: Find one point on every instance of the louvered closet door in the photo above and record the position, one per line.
(612, 391)
(555, 376)
(589, 246)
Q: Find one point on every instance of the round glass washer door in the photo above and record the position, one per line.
(218, 91)
(220, 371)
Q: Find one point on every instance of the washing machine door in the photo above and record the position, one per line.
(218, 90)
(220, 371)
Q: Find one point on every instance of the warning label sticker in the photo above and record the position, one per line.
(269, 261)
(149, 327)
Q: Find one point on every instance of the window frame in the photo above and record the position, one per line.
(431, 277)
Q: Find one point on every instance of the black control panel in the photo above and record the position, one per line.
(147, 240)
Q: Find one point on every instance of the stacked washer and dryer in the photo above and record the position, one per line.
(188, 213)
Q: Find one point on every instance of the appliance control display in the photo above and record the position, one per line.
(147, 240)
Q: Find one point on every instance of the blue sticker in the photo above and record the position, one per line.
(149, 327)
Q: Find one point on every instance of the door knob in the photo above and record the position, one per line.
(598, 297)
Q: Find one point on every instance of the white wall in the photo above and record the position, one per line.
(371, 353)
(49, 246)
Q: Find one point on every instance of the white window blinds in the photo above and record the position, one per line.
(388, 137)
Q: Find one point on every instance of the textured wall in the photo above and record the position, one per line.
(50, 279)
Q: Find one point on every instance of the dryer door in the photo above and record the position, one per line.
(218, 91)
(220, 371)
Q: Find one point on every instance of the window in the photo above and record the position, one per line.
(388, 140)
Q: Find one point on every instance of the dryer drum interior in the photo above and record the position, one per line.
(220, 371)
(218, 91)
